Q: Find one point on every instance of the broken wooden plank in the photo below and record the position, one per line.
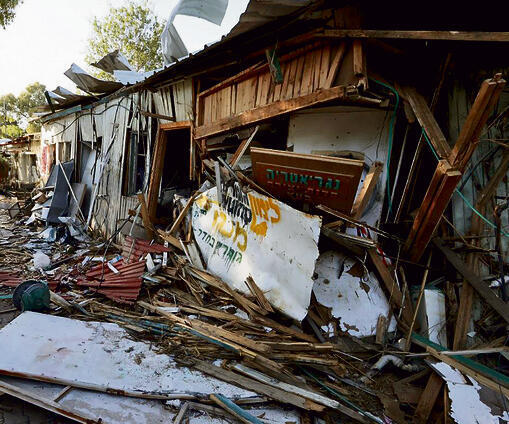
(214, 333)
(395, 295)
(156, 173)
(181, 414)
(472, 259)
(480, 286)
(359, 63)
(427, 121)
(427, 219)
(271, 110)
(182, 214)
(170, 239)
(46, 404)
(258, 294)
(145, 216)
(308, 394)
(355, 244)
(242, 148)
(255, 386)
(368, 187)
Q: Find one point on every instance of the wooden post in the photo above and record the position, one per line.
(448, 172)
(156, 173)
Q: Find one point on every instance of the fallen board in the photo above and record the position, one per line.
(93, 406)
(99, 356)
(111, 409)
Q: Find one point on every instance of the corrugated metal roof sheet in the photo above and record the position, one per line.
(260, 12)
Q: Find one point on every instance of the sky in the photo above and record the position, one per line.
(47, 36)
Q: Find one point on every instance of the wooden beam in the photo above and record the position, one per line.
(428, 398)
(426, 120)
(145, 216)
(274, 109)
(359, 63)
(428, 218)
(395, 294)
(480, 286)
(179, 125)
(484, 36)
(368, 187)
(255, 386)
(481, 373)
(156, 173)
(335, 65)
(478, 115)
(242, 148)
(448, 172)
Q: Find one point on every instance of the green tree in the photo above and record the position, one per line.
(134, 30)
(9, 127)
(30, 98)
(10, 130)
(7, 11)
(15, 111)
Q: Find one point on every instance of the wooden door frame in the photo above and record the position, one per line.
(156, 170)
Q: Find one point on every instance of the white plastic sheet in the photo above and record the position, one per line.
(254, 235)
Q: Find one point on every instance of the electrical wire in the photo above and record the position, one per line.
(391, 139)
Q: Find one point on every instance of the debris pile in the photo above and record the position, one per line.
(245, 319)
(277, 238)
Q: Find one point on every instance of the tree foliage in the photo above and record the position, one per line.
(7, 11)
(134, 30)
(15, 111)
(30, 98)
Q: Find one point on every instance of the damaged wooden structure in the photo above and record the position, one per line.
(350, 178)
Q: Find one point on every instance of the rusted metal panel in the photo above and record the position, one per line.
(304, 178)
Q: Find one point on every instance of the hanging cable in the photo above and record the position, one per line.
(391, 138)
(459, 193)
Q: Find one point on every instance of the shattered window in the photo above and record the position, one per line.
(134, 163)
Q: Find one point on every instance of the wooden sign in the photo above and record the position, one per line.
(304, 178)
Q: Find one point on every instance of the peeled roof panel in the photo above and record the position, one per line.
(210, 10)
(260, 12)
(132, 77)
(114, 61)
(87, 82)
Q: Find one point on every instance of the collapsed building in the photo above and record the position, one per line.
(348, 177)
